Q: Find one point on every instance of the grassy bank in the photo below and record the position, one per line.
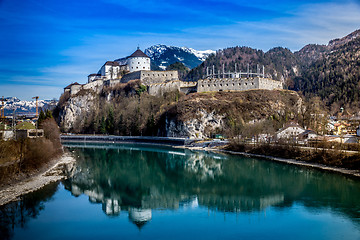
(328, 157)
(21, 158)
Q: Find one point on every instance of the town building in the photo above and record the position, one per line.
(290, 131)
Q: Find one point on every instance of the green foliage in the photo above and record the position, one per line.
(25, 125)
(180, 67)
(110, 122)
(141, 89)
(278, 62)
(43, 116)
(103, 125)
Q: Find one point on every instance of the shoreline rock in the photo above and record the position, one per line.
(60, 169)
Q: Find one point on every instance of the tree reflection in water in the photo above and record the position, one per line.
(129, 177)
(17, 214)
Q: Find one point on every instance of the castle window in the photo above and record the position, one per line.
(208, 85)
(233, 84)
(202, 85)
(252, 83)
(136, 67)
(214, 85)
(143, 67)
(227, 85)
(138, 62)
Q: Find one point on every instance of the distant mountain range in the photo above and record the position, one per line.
(330, 71)
(26, 107)
(163, 56)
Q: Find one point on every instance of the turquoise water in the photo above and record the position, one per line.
(147, 192)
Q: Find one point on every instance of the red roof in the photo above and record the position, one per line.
(69, 86)
(112, 63)
(138, 53)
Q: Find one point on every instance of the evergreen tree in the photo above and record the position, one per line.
(110, 126)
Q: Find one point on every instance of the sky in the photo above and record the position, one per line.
(47, 44)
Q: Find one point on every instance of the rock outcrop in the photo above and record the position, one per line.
(75, 110)
(128, 111)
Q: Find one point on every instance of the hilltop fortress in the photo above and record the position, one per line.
(137, 67)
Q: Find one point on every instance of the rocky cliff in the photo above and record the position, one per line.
(125, 110)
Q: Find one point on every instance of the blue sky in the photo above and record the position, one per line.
(47, 44)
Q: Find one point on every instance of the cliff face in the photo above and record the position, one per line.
(124, 111)
(75, 111)
(202, 115)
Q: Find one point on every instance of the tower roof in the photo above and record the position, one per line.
(138, 53)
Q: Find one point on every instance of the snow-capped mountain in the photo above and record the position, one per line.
(26, 107)
(163, 56)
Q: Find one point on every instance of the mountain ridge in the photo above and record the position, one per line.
(315, 70)
(163, 55)
(23, 107)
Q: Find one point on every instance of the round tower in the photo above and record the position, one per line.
(138, 61)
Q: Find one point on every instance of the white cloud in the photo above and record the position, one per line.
(315, 23)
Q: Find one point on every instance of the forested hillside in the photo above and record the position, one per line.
(330, 71)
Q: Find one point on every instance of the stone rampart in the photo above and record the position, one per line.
(237, 84)
(151, 77)
(158, 89)
(131, 76)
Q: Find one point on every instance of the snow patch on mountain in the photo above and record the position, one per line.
(163, 55)
(26, 107)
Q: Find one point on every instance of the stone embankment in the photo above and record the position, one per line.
(60, 169)
(127, 139)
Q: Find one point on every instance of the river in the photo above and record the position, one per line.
(125, 191)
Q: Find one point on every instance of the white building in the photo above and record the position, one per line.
(290, 131)
(138, 61)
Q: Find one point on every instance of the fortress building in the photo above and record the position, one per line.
(138, 61)
(137, 67)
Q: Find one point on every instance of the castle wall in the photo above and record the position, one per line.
(188, 87)
(96, 86)
(151, 77)
(237, 84)
(74, 89)
(270, 84)
(158, 89)
(111, 82)
(131, 76)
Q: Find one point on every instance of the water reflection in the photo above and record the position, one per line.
(18, 214)
(138, 179)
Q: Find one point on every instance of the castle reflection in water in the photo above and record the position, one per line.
(136, 180)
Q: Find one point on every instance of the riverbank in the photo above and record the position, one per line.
(171, 141)
(54, 171)
(215, 145)
(209, 146)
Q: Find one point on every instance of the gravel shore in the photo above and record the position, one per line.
(60, 169)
